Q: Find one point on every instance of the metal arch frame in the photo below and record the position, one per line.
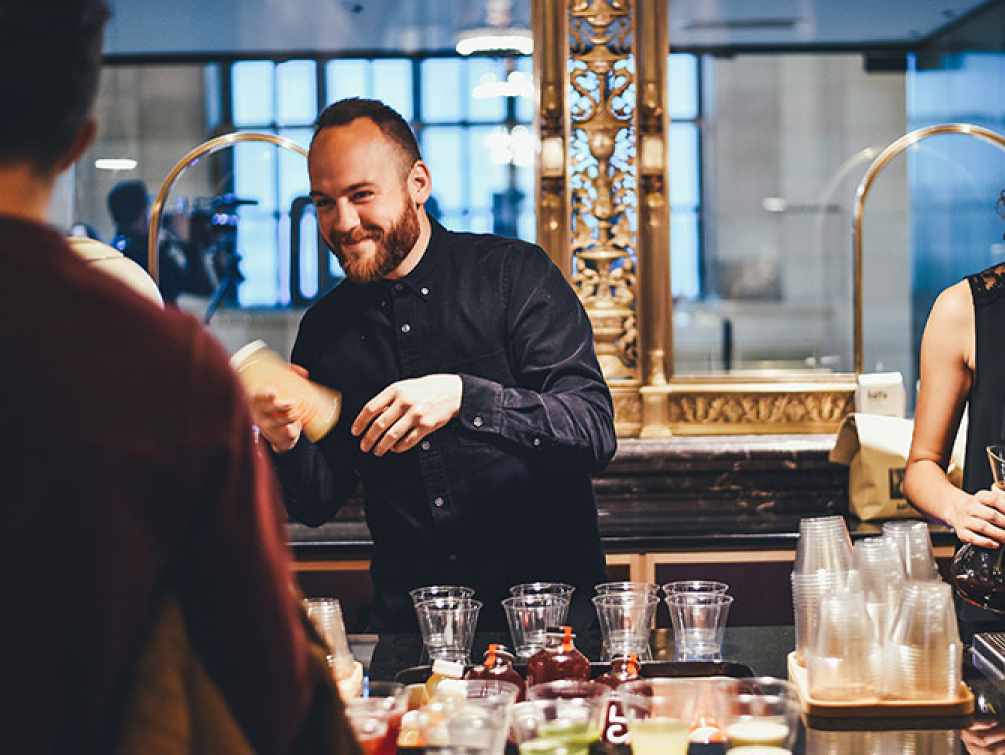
(193, 156)
(882, 159)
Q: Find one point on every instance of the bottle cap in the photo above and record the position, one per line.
(451, 688)
(449, 669)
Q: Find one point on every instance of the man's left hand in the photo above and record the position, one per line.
(404, 413)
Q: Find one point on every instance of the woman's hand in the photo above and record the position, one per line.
(980, 518)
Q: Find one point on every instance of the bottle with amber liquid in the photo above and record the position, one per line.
(979, 573)
(624, 668)
(558, 659)
(498, 665)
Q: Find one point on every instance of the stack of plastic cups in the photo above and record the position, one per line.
(924, 658)
(915, 546)
(626, 620)
(844, 661)
(823, 559)
(608, 588)
(530, 616)
(877, 561)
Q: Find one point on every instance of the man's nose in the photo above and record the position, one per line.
(346, 218)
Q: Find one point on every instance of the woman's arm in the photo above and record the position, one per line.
(947, 371)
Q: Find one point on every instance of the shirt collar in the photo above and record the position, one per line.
(420, 280)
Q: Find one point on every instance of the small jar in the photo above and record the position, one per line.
(558, 659)
(498, 665)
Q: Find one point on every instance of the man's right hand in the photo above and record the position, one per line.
(278, 420)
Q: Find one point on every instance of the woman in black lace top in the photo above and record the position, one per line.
(962, 366)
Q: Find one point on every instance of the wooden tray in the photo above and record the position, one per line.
(961, 707)
(419, 674)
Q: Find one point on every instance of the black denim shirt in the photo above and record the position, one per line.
(501, 494)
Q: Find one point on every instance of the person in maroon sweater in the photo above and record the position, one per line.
(128, 466)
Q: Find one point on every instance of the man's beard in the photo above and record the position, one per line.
(390, 247)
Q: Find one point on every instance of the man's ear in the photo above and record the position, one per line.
(420, 183)
(84, 139)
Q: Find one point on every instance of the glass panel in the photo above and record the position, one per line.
(480, 222)
(308, 254)
(683, 165)
(392, 84)
(525, 105)
(297, 91)
(255, 173)
(442, 148)
(441, 90)
(254, 93)
(484, 70)
(347, 78)
(527, 227)
(293, 179)
(487, 173)
(257, 240)
(682, 85)
(684, 256)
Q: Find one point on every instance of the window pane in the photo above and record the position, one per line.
(255, 173)
(486, 173)
(297, 92)
(443, 150)
(308, 254)
(525, 105)
(684, 254)
(253, 93)
(484, 108)
(293, 179)
(683, 165)
(392, 84)
(682, 85)
(347, 78)
(256, 241)
(527, 226)
(479, 222)
(441, 90)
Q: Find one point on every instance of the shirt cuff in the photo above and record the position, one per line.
(481, 405)
(288, 459)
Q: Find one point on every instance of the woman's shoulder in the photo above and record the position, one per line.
(988, 285)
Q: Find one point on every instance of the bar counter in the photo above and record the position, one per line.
(764, 649)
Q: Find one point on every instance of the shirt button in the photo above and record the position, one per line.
(438, 502)
(406, 328)
(425, 291)
(477, 422)
(537, 441)
(425, 445)
(398, 287)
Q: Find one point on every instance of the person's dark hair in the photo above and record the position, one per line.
(50, 60)
(387, 119)
(128, 201)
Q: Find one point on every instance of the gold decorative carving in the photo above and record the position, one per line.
(602, 179)
(627, 411)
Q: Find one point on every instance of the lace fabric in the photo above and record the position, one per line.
(988, 285)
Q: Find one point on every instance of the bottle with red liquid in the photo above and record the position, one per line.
(558, 659)
(498, 666)
(624, 668)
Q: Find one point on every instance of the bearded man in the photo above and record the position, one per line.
(474, 408)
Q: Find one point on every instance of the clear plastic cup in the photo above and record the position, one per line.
(915, 546)
(561, 717)
(699, 624)
(824, 544)
(694, 585)
(420, 594)
(542, 588)
(844, 661)
(326, 614)
(380, 700)
(626, 620)
(482, 721)
(660, 713)
(924, 655)
(808, 590)
(529, 617)
(760, 712)
(606, 588)
(877, 560)
(448, 626)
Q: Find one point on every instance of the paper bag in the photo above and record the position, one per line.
(875, 449)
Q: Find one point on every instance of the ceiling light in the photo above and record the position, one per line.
(115, 163)
(491, 39)
(517, 84)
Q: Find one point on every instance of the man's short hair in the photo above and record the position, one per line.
(50, 61)
(127, 202)
(386, 118)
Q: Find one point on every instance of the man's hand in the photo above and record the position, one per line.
(278, 420)
(405, 412)
(980, 518)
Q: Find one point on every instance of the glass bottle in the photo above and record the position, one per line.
(443, 669)
(558, 659)
(624, 668)
(979, 573)
(498, 665)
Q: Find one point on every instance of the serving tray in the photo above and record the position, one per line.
(419, 674)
